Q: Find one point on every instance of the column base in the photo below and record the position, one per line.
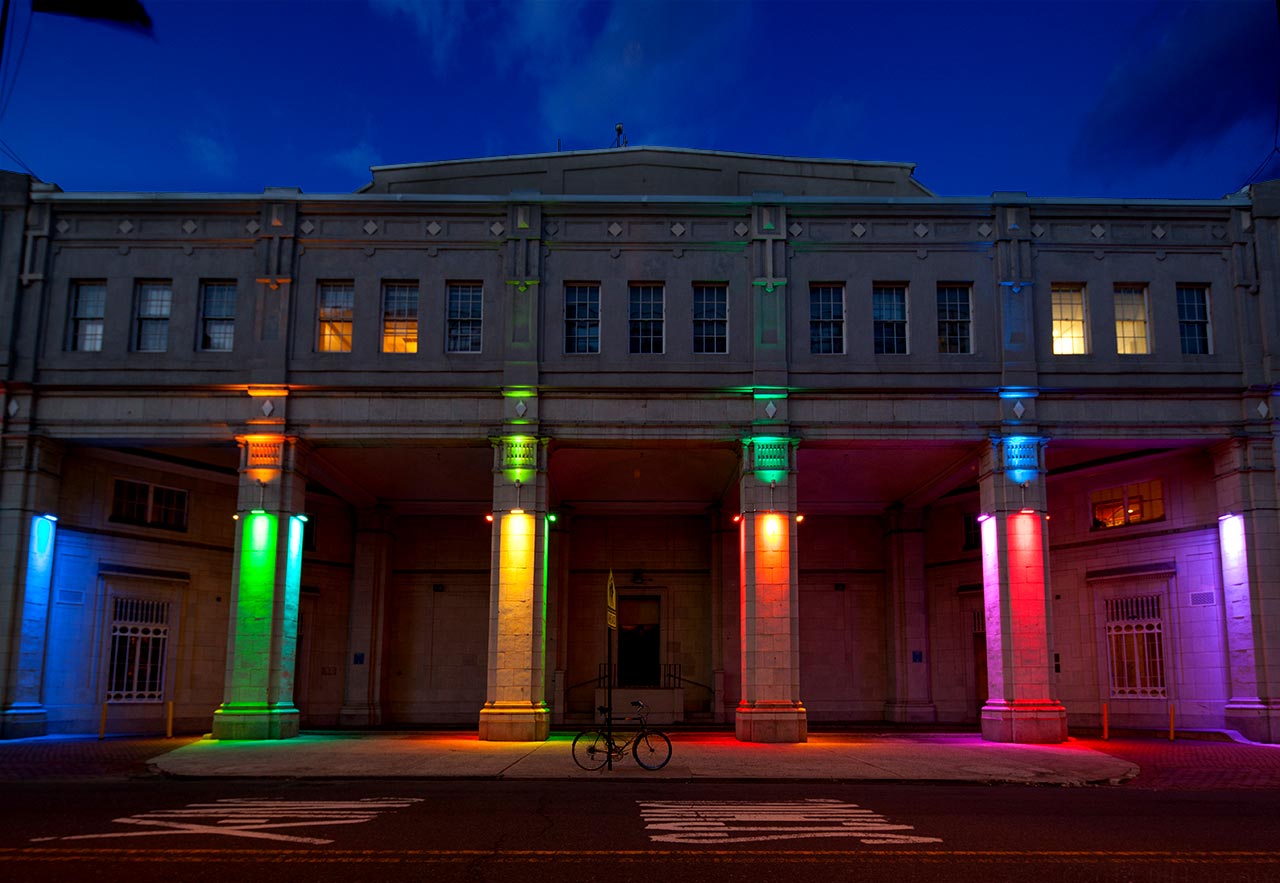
(911, 712)
(23, 720)
(515, 722)
(1256, 720)
(1024, 721)
(771, 722)
(232, 722)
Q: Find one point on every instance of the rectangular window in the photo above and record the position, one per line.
(148, 505)
(645, 318)
(582, 319)
(955, 316)
(826, 318)
(972, 532)
(1131, 320)
(465, 319)
(889, 319)
(711, 318)
(152, 301)
(337, 307)
(399, 317)
(138, 644)
(1128, 504)
(1193, 319)
(1069, 320)
(88, 309)
(1135, 647)
(217, 316)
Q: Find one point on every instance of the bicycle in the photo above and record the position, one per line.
(651, 748)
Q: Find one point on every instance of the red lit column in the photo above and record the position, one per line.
(1249, 535)
(1021, 706)
(770, 709)
(907, 621)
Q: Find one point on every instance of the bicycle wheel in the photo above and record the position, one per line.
(652, 749)
(590, 749)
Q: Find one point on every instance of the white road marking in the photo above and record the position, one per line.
(712, 822)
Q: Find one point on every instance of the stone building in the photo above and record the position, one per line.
(847, 450)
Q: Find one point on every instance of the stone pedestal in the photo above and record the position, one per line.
(771, 722)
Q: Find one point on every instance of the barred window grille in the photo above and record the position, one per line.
(1021, 454)
(770, 455)
(139, 640)
(1135, 646)
(519, 453)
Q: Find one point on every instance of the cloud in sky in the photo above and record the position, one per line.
(357, 159)
(1210, 70)
(439, 22)
(210, 154)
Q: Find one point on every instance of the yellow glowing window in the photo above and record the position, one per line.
(399, 317)
(337, 303)
(1131, 320)
(1068, 320)
(1128, 504)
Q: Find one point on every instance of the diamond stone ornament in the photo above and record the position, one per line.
(770, 410)
(267, 408)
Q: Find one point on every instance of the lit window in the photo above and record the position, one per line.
(337, 304)
(1131, 320)
(955, 317)
(1068, 320)
(582, 318)
(889, 319)
(217, 316)
(711, 318)
(138, 645)
(399, 317)
(152, 301)
(1128, 504)
(465, 319)
(645, 319)
(88, 307)
(148, 505)
(826, 319)
(1135, 647)
(1193, 319)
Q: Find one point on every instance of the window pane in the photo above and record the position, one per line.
(88, 306)
(1068, 320)
(337, 303)
(464, 331)
(399, 317)
(889, 319)
(1193, 319)
(826, 319)
(954, 319)
(218, 316)
(581, 319)
(151, 334)
(710, 319)
(645, 325)
(1131, 320)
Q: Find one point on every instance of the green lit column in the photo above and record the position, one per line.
(515, 708)
(263, 632)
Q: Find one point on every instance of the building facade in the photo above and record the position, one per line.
(845, 451)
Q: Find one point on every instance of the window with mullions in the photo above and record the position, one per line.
(399, 317)
(152, 301)
(217, 316)
(337, 307)
(582, 319)
(955, 318)
(1193, 319)
(826, 319)
(1069, 335)
(464, 321)
(1135, 647)
(148, 505)
(711, 318)
(137, 649)
(889, 319)
(1131, 320)
(645, 319)
(1127, 504)
(88, 308)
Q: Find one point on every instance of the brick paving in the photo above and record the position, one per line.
(76, 757)
(1193, 764)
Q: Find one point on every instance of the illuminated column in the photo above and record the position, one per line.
(770, 709)
(29, 482)
(1015, 567)
(1249, 535)
(262, 637)
(907, 621)
(366, 618)
(515, 708)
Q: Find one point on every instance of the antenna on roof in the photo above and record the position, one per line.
(620, 140)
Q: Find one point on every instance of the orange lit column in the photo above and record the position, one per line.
(770, 709)
(1021, 706)
(262, 634)
(515, 708)
(907, 621)
(1249, 537)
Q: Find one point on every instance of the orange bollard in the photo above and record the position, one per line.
(1170, 722)
(102, 724)
(1105, 729)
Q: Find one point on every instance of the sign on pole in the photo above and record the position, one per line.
(611, 605)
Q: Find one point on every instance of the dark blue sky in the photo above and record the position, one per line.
(1101, 98)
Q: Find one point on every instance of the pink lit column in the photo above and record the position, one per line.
(770, 709)
(1021, 706)
(1249, 534)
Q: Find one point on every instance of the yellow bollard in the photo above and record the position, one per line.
(102, 724)
(1171, 722)
(168, 724)
(1105, 729)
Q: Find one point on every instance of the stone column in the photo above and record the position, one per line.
(770, 709)
(515, 708)
(30, 477)
(366, 618)
(907, 621)
(1021, 706)
(266, 577)
(1249, 534)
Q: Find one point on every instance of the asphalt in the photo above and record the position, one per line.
(1198, 761)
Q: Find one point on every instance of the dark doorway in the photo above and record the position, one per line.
(639, 641)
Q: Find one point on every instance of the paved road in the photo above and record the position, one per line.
(154, 829)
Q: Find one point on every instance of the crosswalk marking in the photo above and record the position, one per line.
(713, 822)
